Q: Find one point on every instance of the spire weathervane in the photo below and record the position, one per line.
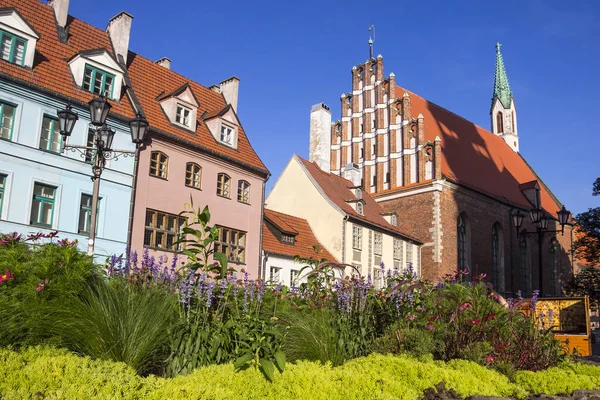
(371, 40)
(498, 45)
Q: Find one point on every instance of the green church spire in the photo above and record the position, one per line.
(501, 87)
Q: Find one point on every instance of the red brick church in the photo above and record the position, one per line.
(459, 188)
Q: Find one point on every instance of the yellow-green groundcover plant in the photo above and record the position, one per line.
(58, 374)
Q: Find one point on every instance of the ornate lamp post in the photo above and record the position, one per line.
(541, 220)
(102, 147)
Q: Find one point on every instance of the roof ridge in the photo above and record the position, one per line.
(287, 215)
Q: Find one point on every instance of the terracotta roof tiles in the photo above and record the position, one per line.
(304, 242)
(474, 157)
(338, 190)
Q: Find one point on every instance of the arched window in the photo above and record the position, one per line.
(498, 258)
(394, 220)
(554, 269)
(463, 236)
(223, 185)
(524, 267)
(499, 123)
(193, 175)
(159, 164)
(243, 192)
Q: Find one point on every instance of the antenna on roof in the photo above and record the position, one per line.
(371, 40)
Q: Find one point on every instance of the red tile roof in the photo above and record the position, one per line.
(50, 69)
(475, 157)
(149, 80)
(305, 238)
(338, 190)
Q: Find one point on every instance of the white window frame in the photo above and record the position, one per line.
(275, 270)
(357, 237)
(378, 243)
(229, 138)
(181, 118)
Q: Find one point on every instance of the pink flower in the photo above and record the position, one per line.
(52, 234)
(473, 321)
(411, 317)
(430, 327)
(464, 306)
(489, 316)
(491, 358)
(7, 276)
(41, 286)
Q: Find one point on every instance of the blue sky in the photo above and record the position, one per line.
(290, 55)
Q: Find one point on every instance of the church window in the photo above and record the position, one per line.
(497, 259)
(463, 244)
(525, 273)
(499, 123)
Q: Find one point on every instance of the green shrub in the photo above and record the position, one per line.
(114, 320)
(56, 373)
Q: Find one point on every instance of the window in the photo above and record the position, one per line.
(287, 239)
(359, 194)
(377, 278)
(394, 220)
(159, 164)
(524, 270)
(243, 192)
(463, 238)
(91, 142)
(162, 230)
(356, 237)
(98, 82)
(8, 120)
(193, 175)
(499, 123)
(50, 138)
(223, 185)
(359, 208)
(378, 247)
(42, 207)
(398, 250)
(85, 213)
(275, 274)
(12, 48)
(294, 275)
(232, 243)
(227, 134)
(497, 259)
(2, 186)
(183, 115)
(409, 255)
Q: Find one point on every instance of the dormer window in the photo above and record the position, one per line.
(359, 208)
(226, 134)
(17, 38)
(287, 239)
(183, 115)
(394, 220)
(98, 82)
(359, 193)
(12, 48)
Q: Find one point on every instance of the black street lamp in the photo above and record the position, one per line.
(541, 220)
(102, 147)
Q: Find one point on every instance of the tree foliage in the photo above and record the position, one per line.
(587, 245)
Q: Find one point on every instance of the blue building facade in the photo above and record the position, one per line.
(43, 188)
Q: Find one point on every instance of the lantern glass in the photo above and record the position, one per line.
(535, 215)
(99, 109)
(544, 222)
(138, 127)
(518, 219)
(66, 121)
(563, 216)
(105, 138)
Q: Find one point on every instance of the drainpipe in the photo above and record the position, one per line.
(264, 264)
(136, 162)
(260, 230)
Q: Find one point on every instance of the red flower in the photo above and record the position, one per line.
(430, 327)
(7, 276)
(41, 286)
(464, 306)
(411, 317)
(473, 321)
(489, 316)
(432, 319)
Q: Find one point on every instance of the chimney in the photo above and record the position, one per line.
(119, 28)
(352, 173)
(215, 88)
(229, 90)
(61, 11)
(164, 62)
(320, 136)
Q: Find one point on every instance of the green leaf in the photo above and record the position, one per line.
(267, 369)
(280, 360)
(242, 361)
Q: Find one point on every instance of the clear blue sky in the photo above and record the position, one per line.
(292, 54)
